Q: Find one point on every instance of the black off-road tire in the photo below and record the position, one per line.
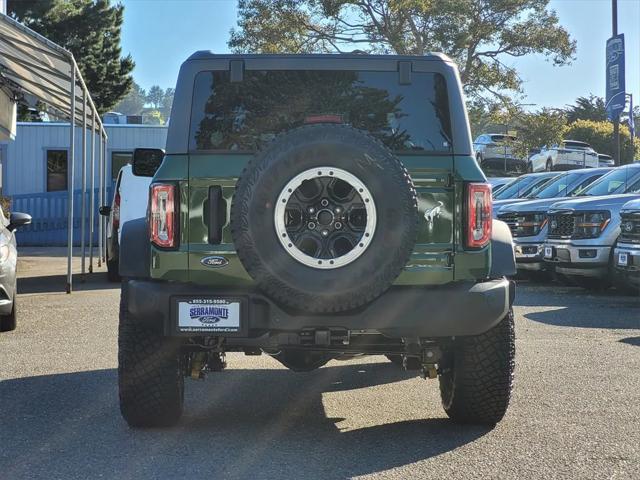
(280, 275)
(150, 372)
(477, 377)
(9, 322)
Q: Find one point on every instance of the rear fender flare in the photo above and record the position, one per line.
(134, 249)
(503, 259)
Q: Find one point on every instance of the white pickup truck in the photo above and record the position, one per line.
(566, 156)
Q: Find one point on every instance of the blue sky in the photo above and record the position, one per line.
(160, 34)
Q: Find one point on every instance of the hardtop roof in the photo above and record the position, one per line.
(209, 55)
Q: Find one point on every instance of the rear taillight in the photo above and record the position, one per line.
(479, 218)
(115, 219)
(162, 218)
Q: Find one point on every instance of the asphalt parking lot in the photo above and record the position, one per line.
(574, 412)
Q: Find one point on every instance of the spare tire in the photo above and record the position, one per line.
(324, 219)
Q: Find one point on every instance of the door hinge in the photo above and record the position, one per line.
(449, 182)
(450, 259)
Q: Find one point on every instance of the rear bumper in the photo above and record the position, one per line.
(455, 309)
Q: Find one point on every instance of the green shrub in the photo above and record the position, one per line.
(600, 136)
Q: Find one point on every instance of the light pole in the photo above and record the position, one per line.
(616, 120)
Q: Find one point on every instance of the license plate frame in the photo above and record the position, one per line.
(210, 315)
(623, 259)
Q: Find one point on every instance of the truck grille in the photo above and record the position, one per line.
(511, 220)
(521, 224)
(630, 228)
(561, 225)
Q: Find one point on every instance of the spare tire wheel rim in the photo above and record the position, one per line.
(325, 218)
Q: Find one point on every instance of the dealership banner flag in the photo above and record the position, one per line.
(616, 97)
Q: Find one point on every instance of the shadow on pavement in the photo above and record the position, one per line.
(571, 307)
(58, 283)
(239, 424)
(631, 341)
(589, 316)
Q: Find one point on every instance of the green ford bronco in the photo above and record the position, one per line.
(313, 207)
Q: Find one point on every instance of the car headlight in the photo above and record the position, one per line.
(591, 224)
(4, 253)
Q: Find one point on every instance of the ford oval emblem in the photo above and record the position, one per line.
(214, 262)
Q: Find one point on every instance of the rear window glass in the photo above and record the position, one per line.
(243, 116)
(559, 186)
(514, 188)
(534, 186)
(576, 145)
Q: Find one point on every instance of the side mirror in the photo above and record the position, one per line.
(17, 219)
(105, 210)
(146, 161)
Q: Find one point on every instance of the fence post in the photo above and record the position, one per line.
(92, 199)
(83, 204)
(100, 200)
(70, 167)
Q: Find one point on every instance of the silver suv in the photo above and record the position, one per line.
(494, 152)
(582, 232)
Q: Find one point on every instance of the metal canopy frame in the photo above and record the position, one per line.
(32, 64)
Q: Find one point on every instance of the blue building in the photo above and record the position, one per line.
(34, 173)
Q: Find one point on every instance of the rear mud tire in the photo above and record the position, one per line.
(150, 372)
(477, 377)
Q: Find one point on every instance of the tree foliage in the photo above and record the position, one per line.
(155, 105)
(600, 136)
(167, 102)
(479, 35)
(155, 96)
(153, 117)
(587, 108)
(90, 29)
(133, 103)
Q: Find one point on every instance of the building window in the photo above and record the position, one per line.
(56, 170)
(119, 160)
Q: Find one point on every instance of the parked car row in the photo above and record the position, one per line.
(583, 226)
(8, 266)
(494, 152)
